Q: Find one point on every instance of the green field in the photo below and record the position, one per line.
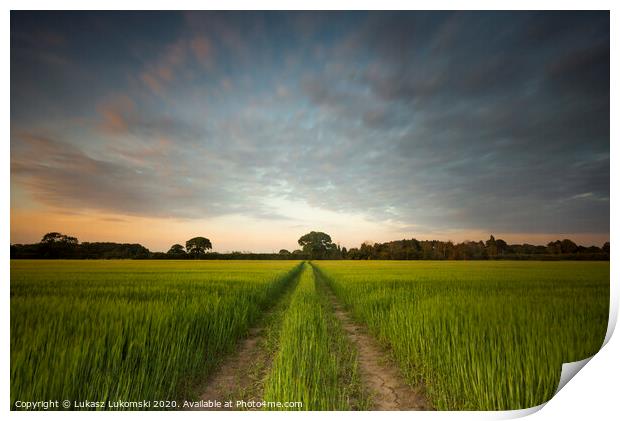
(130, 330)
(480, 335)
(477, 335)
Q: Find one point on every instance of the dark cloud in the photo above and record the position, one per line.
(585, 71)
(502, 132)
(489, 121)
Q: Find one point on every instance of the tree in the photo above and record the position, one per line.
(113, 251)
(606, 247)
(56, 237)
(55, 245)
(501, 246)
(353, 253)
(316, 244)
(554, 247)
(561, 247)
(284, 252)
(197, 246)
(365, 252)
(568, 246)
(177, 250)
(491, 246)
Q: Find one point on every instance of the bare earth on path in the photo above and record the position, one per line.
(241, 375)
(382, 378)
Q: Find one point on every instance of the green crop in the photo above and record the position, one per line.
(477, 335)
(480, 335)
(315, 364)
(130, 330)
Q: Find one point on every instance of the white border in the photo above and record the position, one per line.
(592, 393)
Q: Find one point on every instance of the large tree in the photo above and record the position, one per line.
(197, 246)
(316, 244)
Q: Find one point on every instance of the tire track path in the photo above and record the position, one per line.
(232, 380)
(241, 375)
(380, 376)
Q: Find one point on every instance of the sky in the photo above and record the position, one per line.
(252, 128)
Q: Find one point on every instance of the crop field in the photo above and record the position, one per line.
(454, 335)
(129, 330)
(480, 335)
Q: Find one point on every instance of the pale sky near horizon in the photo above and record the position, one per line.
(255, 128)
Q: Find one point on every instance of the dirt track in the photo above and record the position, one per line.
(240, 373)
(382, 378)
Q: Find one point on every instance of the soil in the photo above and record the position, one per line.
(378, 373)
(240, 375)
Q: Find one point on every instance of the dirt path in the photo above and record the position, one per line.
(241, 375)
(382, 378)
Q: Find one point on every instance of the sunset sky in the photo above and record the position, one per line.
(255, 128)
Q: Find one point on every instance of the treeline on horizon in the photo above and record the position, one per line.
(59, 246)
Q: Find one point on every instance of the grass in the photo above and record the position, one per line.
(130, 330)
(315, 364)
(481, 335)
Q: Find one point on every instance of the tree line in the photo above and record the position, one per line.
(492, 249)
(315, 245)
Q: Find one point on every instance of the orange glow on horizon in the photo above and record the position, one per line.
(236, 233)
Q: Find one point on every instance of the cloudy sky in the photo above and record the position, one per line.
(254, 128)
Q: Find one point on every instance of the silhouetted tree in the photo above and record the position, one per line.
(365, 251)
(491, 246)
(554, 247)
(55, 245)
(568, 246)
(353, 253)
(112, 251)
(177, 250)
(565, 246)
(316, 244)
(56, 237)
(501, 247)
(197, 246)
